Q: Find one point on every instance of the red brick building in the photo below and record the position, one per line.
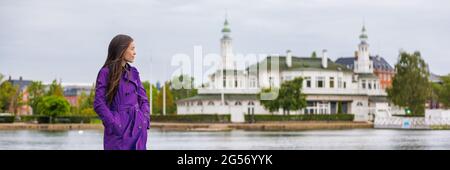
(381, 68)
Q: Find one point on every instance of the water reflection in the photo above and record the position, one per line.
(314, 139)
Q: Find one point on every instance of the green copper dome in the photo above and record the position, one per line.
(226, 27)
(363, 35)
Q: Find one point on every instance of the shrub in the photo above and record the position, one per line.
(197, 118)
(332, 117)
(53, 106)
(7, 119)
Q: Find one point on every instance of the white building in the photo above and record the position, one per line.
(326, 84)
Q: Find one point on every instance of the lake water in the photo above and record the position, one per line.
(314, 139)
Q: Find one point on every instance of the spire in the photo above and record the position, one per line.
(363, 37)
(226, 27)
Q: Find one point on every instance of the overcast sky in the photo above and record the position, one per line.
(48, 39)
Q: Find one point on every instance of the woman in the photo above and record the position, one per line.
(120, 99)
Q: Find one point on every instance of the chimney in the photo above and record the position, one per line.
(289, 58)
(324, 59)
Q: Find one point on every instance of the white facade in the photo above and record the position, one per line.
(326, 85)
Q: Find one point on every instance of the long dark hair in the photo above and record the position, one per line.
(116, 49)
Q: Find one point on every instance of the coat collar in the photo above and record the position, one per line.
(132, 76)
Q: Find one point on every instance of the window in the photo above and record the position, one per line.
(331, 82)
(199, 103)
(238, 103)
(308, 82)
(210, 103)
(320, 82)
(252, 82)
(345, 84)
(339, 82)
(224, 81)
(287, 78)
(369, 84)
(363, 84)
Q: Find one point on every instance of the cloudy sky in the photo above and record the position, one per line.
(68, 39)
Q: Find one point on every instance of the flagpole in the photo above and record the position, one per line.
(164, 99)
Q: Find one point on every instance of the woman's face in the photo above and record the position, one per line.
(130, 53)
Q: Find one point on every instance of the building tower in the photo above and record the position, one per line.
(226, 47)
(362, 62)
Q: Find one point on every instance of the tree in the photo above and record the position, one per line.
(35, 93)
(289, 97)
(271, 105)
(410, 86)
(154, 93)
(314, 55)
(183, 90)
(1, 82)
(170, 105)
(55, 89)
(54, 106)
(85, 102)
(444, 91)
(8, 96)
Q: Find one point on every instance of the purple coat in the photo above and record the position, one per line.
(127, 118)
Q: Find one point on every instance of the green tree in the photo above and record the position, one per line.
(88, 112)
(54, 106)
(271, 105)
(182, 87)
(1, 82)
(8, 96)
(55, 89)
(35, 93)
(85, 103)
(154, 106)
(444, 91)
(170, 105)
(314, 55)
(410, 86)
(289, 97)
